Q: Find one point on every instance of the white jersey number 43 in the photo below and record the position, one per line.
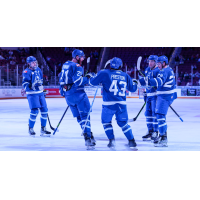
(113, 88)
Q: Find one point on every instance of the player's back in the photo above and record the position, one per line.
(115, 83)
(70, 74)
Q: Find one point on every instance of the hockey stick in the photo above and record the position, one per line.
(138, 68)
(88, 63)
(50, 123)
(52, 128)
(134, 119)
(60, 121)
(176, 113)
(108, 62)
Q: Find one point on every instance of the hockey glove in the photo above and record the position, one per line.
(137, 82)
(91, 75)
(62, 93)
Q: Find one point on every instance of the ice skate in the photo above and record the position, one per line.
(31, 131)
(132, 144)
(161, 141)
(111, 144)
(154, 136)
(148, 136)
(44, 132)
(88, 143)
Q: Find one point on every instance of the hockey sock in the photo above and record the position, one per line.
(108, 130)
(33, 115)
(43, 118)
(162, 125)
(126, 129)
(81, 120)
(155, 123)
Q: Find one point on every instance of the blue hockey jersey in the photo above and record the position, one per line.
(151, 91)
(32, 81)
(72, 73)
(165, 83)
(115, 83)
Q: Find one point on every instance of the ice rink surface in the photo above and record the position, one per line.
(14, 115)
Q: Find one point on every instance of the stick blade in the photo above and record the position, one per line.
(138, 62)
(108, 62)
(88, 60)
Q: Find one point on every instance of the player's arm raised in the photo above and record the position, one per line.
(156, 82)
(131, 84)
(94, 79)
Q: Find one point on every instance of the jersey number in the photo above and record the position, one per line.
(168, 84)
(113, 88)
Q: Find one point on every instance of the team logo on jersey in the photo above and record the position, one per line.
(25, 71)
(32, 72)
(78, 65)
(161, 75)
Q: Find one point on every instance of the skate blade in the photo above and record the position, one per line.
(112, 148)
(90, 148)
(32, 135)
(45, 135)
(133, 148)
(147, 140)
(160, 145)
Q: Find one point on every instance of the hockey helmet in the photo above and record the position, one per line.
(116, 63)
(77, 52)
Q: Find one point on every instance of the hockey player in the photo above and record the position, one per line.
(165, 82)
(72, 88)
(115, 83)
(32, 83)
(150, 97)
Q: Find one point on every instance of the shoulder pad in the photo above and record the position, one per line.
(65, 66)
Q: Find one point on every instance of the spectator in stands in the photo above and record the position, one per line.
(181, 59)
(45, 79)
(14, 58)
(197, 74)
(96, 54)
(186, 76)
(91, 54)
(10, 52)
(197, 57)
(23, 60)
(193, 57)
(181, 75)
(129, 71)
(12, 62)
(179, 81)
(66, 50)
(1, 57)
(48, 58)
(189, 84)
(132, 72)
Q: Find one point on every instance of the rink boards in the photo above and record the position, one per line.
(53, 92)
